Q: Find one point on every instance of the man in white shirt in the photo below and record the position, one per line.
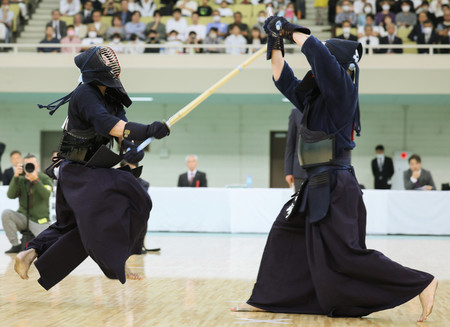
(235, 38)
(6, 18)
(199, 29)
(368, 39)
(177, 23)
(58, 25)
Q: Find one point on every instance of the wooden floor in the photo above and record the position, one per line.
(193, 282)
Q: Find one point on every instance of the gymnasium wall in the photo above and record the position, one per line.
(404, 104)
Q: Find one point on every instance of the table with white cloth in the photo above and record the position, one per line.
(253, 210)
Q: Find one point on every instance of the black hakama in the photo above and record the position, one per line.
(101, 213)
(325, 267)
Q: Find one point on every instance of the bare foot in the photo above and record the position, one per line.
(427, 299)
(244, 307)
(129, 274)
(23, 262)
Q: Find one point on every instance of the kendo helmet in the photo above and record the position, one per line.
(99, 65)
(347, 53)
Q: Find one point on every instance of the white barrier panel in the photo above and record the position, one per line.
(254, 210)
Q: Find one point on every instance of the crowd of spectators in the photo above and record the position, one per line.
(374, 22)
(140, 22)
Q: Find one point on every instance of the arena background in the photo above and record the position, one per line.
(404, 105)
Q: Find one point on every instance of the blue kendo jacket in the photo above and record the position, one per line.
(337, 102)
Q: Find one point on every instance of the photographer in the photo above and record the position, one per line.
(192, 39)
(27, 180)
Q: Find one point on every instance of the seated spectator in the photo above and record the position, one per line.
(23, 7)
(222, 28)
(15, 158)
(135, 45)
(416, 178)
(193, 177)
(361, 17)
(59, 27)
(382, 27)
(235, 38)
(256, 40)
(406, 17)
(39, 186)
(418, 29)
(135, 26)
(49, 39)
(429, 36)
(187, 7)
(346, 32)
(177, 23)
(199, 29)
(224, 10)
(238, 21)
(443, 28)
(359, 7)
(116, 43)
(391, 38)
(369, 39)
(347, 14)
(80, 28)
(204, 9)
(174, 44)
(386, 7)
(125, 14)
(110, 8)
(213, 38)
(71, 38)
(145, 7)
(157, 26)
(92, 39)
(6, 20)
(88, 8)
(116, 28)
(69, 7)
(370, 21)
(152, 38)
(288, 13)
(193, 39)
(101, 27)
(260, 23)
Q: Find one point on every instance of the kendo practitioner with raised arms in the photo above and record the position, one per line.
(101, 212)
(315, 260)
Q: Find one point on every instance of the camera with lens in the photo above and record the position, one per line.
(29, 168)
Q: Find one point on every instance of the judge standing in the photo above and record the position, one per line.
(382, 169)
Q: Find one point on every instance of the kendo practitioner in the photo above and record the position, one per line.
(101, 212)
(315, 260)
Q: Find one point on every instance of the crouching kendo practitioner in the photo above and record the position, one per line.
(101, 212)
(315, 260)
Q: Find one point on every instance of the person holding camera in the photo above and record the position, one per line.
(33, 189)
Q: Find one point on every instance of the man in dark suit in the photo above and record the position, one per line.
(58, 25)
(193, 177)
(382, 169)
(391, 38)
(294, 173)
(428, 37)
(15, 158)
(416, 178)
